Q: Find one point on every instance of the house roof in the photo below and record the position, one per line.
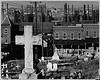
(6, 21)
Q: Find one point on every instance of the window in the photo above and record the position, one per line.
(72, 36)
(87, 33)
(56, 35)
(94, 34)
(5, 30)
(79, 36)
(65, 35)
(6, 42)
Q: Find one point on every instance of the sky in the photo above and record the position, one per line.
(56, 4)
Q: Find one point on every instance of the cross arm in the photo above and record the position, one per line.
(19, 40)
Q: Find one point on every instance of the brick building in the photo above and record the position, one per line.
(79, 35)
(77, 32)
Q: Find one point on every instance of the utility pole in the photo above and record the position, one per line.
(35, 13)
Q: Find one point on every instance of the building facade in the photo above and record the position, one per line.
(79, 36)
(78, 32)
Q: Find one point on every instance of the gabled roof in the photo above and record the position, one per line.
(6, 21)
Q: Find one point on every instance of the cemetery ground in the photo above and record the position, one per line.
(89, 69)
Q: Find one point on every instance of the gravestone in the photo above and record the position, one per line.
(55, 56)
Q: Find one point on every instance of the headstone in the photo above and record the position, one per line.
(23, 76)
(33, 76)
(42, 58)
(49, 66)
(7, 74)
(55, 66)
(55, 56)
(63, 77)
(85, 58)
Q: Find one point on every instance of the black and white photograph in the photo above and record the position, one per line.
(49, 39)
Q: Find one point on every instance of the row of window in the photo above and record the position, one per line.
(94, 34)
(65, 36)
(72, 35)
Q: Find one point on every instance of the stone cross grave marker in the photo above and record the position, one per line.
(28, 40)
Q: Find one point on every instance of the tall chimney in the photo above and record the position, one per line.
(45, 8)
(72, 12)
(65, 11)
(84, 12)
(7, 9)
(27, 8)
(88, 11)
(68, 14)
(2, 11)
(68, 9)
(27, 13)
(97, 15)
(22, 14)
(92, 11)
(35, 17)
(93, 16)
(31, 9)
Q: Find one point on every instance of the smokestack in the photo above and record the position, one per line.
(7, 9)
(84, 12)
(92, 11)
(27, 8)
(88, 11)
(97, 15)
(72, 12)
(27, 13)
(2, 11)
(35, 16)
(31, 9)
(78, 18)
(65, 11)
(68, 9)
(45, 8)
(65, 8)
(84, 9)
(22, 14)
(68, 14)
(93, 16)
